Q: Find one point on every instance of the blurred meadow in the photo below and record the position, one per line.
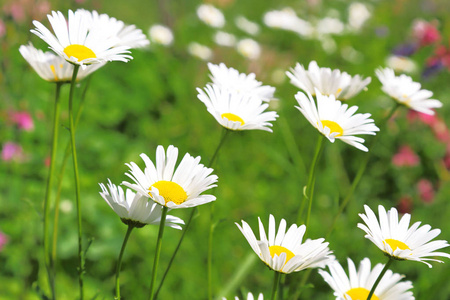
(131, 108)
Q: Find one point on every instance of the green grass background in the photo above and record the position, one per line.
(131, 108)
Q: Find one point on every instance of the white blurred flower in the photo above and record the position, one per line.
(161, 35)
(329, 26)
(287, 19)
(211, 15)
(200, 51)
(249, 48)
(66, 206)
(224, 39)
(358, 14)
(401, 64)
(246, 25)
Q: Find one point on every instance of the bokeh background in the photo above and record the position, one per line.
(152, 100)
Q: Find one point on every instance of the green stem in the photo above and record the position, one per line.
(77, 182)
(61, 176)
(119, 261)
(309, 189)
(49, 263)
(386, 267)
(188, 223)
(158, 250)
(361, 170)
(276, 281)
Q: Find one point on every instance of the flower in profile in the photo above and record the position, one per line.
(336, 120)
(399, 241)
(231, 79)
(236, 111)
(161, 35)
(174, 188)
(287, 19)
(51, 67)
(200, 51)
(358, 283)
(407, 92)
(211, 15)
(401, 64)
(225, 39)
(80, 42)
(249, 297)
(249, 48)
(135, 209)
(284, 251)
(327, 81)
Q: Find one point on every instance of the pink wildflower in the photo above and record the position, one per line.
(405, 205)
(23, 120)
(426, 33)
(12, 152)
(405, 157)
(3, 240)
(426, 190)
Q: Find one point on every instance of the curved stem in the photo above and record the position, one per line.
(308, 191)
(77, 182)
(158, 250)
(49, 262)
(276, 281)
(61, 176)
(361, 171)
(119, 261)
(386, 267)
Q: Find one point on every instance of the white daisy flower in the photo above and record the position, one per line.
(336, 120)
(236, 111)
(407, 92)
(51, 67)
(231, 79)
(246, 25)
(287, 19)
(200, 51)
(284, 251)
(211, 15)
(249, 297)
(357, 285)
(396, 239)
(327, 81)
(225, 39)
(79, 42)
(129, 35)
(249, 48)
(135, 209)
(161, 35)
(174, 188)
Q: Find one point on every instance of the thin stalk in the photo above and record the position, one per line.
(276, 281)
(158, 250)
(49, 263)
(77, 181)
(188, 223)
(60, 179)
(307, 193)
(119, 261)
(386, 267)
(361, 170)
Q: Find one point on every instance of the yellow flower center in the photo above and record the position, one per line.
(396, 244)
(232, 117)
(334, 127)
(360, 294)
(280, 249)
(80, 52)
(171, 191)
